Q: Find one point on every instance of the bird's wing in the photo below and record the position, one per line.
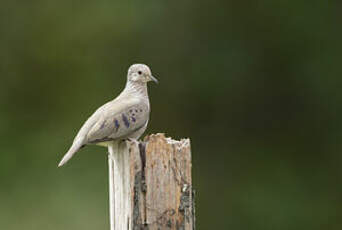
(80, 139)
(119, 119)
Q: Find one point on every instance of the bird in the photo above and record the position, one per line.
(125, 117)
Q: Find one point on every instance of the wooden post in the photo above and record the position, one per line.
(150, 184)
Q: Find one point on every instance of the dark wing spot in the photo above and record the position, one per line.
(117, 125)
(136, 110)
(140, 110)
(125, 120)
(103, 125)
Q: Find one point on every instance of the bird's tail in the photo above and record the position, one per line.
(73, 149)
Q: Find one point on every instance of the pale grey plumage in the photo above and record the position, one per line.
(124, 117)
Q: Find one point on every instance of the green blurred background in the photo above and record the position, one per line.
(256, 85)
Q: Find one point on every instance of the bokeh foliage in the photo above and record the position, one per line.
(254, 84)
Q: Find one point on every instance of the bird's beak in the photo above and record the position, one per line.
(154, 79)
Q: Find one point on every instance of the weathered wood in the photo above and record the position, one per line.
(119, 196)
(152, 184)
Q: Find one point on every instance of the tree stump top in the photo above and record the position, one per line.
(160, 186)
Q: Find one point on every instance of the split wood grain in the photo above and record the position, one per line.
(152, 184)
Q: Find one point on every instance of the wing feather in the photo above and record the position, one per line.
(118, 120)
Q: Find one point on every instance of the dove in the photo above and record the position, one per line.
(125, 117)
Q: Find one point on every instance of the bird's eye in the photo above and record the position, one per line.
(139, 72)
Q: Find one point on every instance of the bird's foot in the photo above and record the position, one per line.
(129, 139)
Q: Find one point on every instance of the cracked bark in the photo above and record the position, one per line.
(156, 191)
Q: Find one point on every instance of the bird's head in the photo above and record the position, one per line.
(140, 73)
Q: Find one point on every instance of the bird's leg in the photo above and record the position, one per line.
(128, 139)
